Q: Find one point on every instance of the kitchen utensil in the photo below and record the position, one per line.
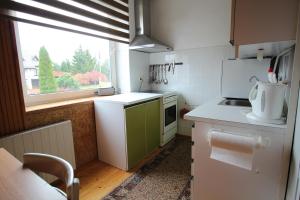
(153, 73)
(150, 74)
(165, 70)
(267, 101)
(273, 78)
(173, 66)
(162, 73)
(157, 74)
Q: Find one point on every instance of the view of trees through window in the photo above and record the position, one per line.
(58, 61)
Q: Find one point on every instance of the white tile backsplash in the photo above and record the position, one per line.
(139, 68)
(197, 80)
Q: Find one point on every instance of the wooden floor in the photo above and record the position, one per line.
(97, 179)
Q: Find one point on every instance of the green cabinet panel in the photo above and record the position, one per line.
(135, 128)
(142, 130)
(152, 125)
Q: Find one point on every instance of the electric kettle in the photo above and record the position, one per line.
(267, 100)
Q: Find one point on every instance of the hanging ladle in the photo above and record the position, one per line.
(157, 74)
(165, 70)
(162, 73)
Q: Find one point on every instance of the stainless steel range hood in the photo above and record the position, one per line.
(142, 41)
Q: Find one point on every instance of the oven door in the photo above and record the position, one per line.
(170, 116)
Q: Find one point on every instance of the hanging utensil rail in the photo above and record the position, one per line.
(157, 65)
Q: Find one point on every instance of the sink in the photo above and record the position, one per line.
(235, 102)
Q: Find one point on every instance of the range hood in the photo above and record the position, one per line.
(142, 41)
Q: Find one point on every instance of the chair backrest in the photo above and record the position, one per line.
(55, 166)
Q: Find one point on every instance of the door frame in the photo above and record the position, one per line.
(294, 95)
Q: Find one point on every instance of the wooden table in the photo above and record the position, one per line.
(17, 183)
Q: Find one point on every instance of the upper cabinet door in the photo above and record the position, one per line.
(259, 21)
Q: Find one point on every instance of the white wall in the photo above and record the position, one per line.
(293, 125)
(295, 161)
(197, 80)
(138, 61)
(131, 65)
(199, 31)
(186, 24)
(139, 67)
(183, 24)
(122, 68)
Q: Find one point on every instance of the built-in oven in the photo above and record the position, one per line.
(169, 117)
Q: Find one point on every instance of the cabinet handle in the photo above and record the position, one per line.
(192, 143)
(231, 42)
(192, 160)
(193, 126)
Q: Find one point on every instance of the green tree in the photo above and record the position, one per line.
(66, 66)
(67, 82)
(105, 69)
(56, 67)
(46, 78)
(83, 61)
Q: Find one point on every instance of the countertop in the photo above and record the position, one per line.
(211, 112)
(129, 98)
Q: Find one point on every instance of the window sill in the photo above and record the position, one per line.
(59, 104)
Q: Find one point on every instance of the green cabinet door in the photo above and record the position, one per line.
(152, 125)
(135, 129)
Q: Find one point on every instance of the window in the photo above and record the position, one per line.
(58, 64)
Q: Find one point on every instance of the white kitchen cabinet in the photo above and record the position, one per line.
(215, 180)
(126, 133)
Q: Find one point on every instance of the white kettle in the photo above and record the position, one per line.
(267, 100)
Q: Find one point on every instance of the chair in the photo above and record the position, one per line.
(57, 167)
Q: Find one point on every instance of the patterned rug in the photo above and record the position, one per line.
(166, 177)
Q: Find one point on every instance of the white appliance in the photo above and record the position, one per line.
(236, 74)
(169, 115)
(267, 101)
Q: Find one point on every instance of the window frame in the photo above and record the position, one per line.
(33, 100)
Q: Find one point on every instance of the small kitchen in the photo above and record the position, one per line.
(200, 101)
(214, 83)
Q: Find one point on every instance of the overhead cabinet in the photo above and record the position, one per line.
(127, 134)
(260, 21)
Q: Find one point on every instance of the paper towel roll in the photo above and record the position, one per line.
(232, 148)
(232, 142)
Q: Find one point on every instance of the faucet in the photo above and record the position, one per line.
(253, 77)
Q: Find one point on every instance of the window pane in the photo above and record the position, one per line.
(58, 61)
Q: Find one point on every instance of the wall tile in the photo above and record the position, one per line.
(197, 80)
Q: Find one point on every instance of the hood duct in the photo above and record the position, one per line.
(142, 41)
